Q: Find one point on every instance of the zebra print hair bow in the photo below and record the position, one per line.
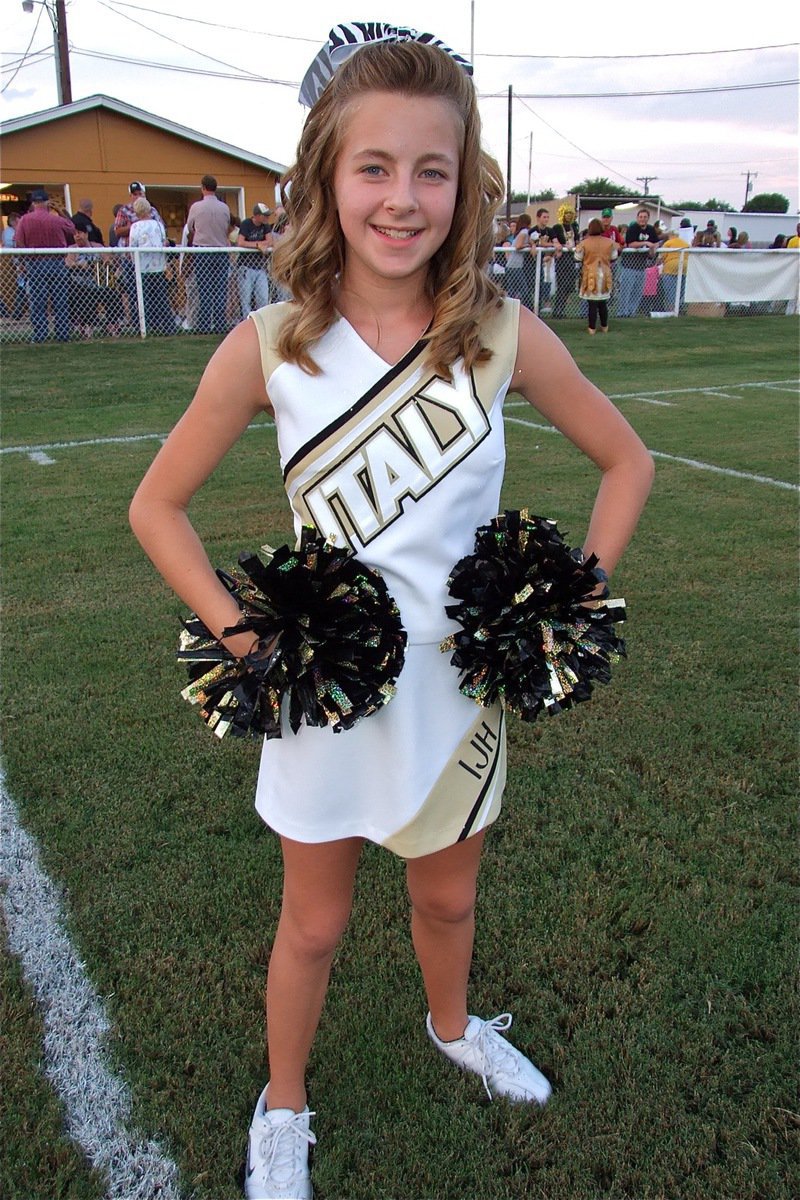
(345, 39)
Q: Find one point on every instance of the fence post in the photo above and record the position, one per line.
(679, 282)
(537, 283)
(137, 268)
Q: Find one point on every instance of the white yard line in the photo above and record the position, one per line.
(702, 466)
(106, 441)
(97, 1102)
(40, 458)
(687, 462)
(783, 385)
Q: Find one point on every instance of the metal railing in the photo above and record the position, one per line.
(85, 294)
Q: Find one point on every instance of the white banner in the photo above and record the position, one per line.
(742, 276)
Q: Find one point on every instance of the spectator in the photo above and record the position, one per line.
(515, 281)
(686, 230)
(148, 235)
(743, 240)
(779, 243)
(640, 243)
(280, 229)
(673, 264)
(209, 223)
(596, 253)
(610, 230)
(709, 237)
(564, 237)
(730, 238)
(113, 238)
(794, 241)
(87, 294)
(123, 222)
(82, 219)
(45, 228)
(256, 237)
(541, 238)
(8, 230)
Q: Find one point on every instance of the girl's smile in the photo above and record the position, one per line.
(395, 185)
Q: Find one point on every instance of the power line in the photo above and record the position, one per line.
(617, 57)
(29, 60)
(289, 37)
(175, 42)
(144, 62)
(574, 145)
(6, 86)
(733, 87)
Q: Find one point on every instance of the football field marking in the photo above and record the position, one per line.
(686, 462)
(97, 1102)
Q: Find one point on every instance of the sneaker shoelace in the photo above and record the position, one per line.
(494, 1050)
(279, 1148)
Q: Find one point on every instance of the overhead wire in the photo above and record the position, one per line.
(175, 42)
(6, 86)
(617, 57)
(205, 72)
(732, 87)
(157, 12)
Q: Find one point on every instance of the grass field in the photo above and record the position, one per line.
(637, 907)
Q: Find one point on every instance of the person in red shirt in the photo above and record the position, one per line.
(609, 230)
(45, 229)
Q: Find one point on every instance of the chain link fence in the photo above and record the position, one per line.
(88, 293)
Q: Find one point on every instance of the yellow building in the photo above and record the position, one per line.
(94, 148)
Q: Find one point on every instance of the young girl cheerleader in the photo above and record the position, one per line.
(386, 375)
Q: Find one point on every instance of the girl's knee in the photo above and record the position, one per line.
(316, 932)
(448, 904)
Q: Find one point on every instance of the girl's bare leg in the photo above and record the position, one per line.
(442, 889)
(317, 897)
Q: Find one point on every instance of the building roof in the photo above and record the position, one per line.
(139, 114)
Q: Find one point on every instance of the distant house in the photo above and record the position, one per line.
(94, 148)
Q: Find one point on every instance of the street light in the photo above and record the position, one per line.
(56, 11)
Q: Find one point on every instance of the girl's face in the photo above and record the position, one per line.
(395, 185)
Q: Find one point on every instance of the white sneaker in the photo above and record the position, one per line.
(277, 1154)
(505, 1071)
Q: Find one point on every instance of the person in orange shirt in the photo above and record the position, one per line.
(673, 265)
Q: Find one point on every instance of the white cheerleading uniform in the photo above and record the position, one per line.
(402, 467)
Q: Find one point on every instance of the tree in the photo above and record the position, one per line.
(521, 197)
(600, 187)
(712, 205)
(767, 202)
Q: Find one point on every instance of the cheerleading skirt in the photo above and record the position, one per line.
(423, 773)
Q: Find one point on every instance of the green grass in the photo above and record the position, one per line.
(637, 901)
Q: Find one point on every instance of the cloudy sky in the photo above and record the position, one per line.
(232, 72)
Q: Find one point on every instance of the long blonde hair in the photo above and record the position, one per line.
(311, 259)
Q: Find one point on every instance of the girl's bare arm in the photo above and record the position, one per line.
(547, 376)
(230, 394)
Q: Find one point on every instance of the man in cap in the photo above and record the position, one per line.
(126, 216)
(43, 228)
(122, 227)
(255, 237)
(609, 230)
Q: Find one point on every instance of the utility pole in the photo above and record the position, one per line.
(62, 49)
(56, 11)
(530, 163)
(748, 187)
(508, 156)
(646, 180)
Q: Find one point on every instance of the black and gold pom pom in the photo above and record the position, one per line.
(328, 644)
(536, 634)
